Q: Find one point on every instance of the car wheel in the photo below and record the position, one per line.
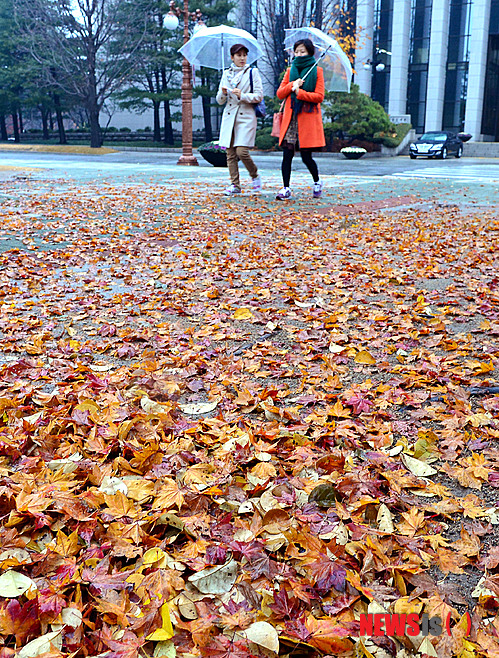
(459, 153)
(443, 155)
(412, 156)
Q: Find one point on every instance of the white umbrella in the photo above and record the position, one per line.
(328, 53)
(210, 46)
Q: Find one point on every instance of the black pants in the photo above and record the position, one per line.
(308, 161)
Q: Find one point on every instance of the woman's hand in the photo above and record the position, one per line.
(297, 83)
(224, 91)
(237, 92)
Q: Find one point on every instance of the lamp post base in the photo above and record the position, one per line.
(188, 161)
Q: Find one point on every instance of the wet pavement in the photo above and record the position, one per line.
(466, 181)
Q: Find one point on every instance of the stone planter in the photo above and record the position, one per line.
(215, 158)
(353, 155)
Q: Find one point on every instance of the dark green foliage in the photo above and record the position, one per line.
(393, 139)
(215, 12)
(14, 73)
(157, 78)
(81, 53)
(264, 140)
(355, 116)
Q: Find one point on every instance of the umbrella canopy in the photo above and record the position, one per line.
(210, 46)
(334, 62)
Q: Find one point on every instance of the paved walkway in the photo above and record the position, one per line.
(470, 180)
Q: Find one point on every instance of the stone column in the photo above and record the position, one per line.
(399, 62)
(439, 40)
(364, 49)
(480, 19)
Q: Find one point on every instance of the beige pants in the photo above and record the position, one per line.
(234, 154)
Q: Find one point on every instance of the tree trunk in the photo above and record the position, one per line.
(15, 123)
(168, 123)
(3, 128)
(21, 122)
(208, 129)
(93, 102)
(318, 14)
(156, 134)
(156, 120)
(168, 128)
(44, 112)
(95, 131)
(51, 121)
(60, 120)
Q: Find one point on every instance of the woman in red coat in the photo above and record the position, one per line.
(301, 126)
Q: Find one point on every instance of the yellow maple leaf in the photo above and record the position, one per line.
(264, 471)
(66, 546)
(450, 562)
(365, 357)
(119, 505)
(243, 314)
(338, 410)
(169, 495)
(166, 630)
(413, 521)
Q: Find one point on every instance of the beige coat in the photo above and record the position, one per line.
(239, 119)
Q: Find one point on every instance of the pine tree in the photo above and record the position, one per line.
(156, 80)
(214, 12)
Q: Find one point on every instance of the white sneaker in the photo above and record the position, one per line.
(283, 194)
(317, 189)
(257, 184)
(232, 190)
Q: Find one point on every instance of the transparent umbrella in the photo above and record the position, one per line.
(210, 46)
(328, 53)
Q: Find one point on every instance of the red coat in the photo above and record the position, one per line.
(310, 129)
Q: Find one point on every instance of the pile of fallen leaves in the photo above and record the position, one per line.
(231, 429)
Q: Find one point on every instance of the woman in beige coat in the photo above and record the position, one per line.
(240, 90)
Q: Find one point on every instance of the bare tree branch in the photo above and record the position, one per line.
(77, 45)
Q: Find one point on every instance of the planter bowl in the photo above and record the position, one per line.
(353, 156)
(215, 158)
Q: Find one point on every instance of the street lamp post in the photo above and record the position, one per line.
(171, 22)
(376, 66)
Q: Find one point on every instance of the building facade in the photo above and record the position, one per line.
(434, 63)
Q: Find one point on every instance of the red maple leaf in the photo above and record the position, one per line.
(328, 574)
(286, 606)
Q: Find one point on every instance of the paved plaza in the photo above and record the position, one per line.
(264, 412)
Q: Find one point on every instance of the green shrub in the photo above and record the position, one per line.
(125, 130)
(355, 116)
(264, 140)
(392, 140)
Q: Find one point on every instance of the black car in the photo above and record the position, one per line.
(437, 144)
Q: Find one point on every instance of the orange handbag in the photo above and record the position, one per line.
(277, 121)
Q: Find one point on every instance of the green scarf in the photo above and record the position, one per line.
(299, 68)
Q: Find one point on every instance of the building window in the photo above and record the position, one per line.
(456, 80)
(382, 47)
(490, 117)
(418, 62)
(494, 17)
(490, 120)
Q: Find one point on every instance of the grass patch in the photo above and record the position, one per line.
(57, 148)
